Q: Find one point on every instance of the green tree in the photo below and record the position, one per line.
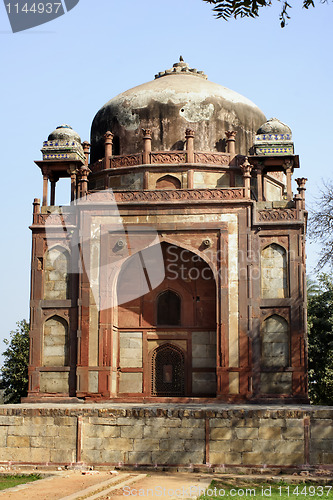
(14, 371)
(320, 341)
(320, 227)
(226, 9)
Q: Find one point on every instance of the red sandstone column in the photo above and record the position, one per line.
(288, 167)
(84, 172)
(259, 183)
(299, 204)
(86, 150)
(145, 180)
(301, 188)
(189, 136)
(45, 187)
(190, 180)
(108, 141)
(231, 139)
(146, 145)
(246, 169)
(36, 210)
(36, 205)
(72, 172)
(53, 186)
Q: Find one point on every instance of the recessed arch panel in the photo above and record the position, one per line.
(55, 342)
(274, 272)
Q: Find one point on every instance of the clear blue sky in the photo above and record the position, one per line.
(64, 71)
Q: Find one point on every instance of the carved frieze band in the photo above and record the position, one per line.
(126, 161)
(179, 195)
(179, 157)
(212, 158)
(277, 214)
(161, 157)
(64, 220)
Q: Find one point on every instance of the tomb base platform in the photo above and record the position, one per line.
(164, 436)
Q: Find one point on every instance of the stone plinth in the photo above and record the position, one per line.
(168, 436)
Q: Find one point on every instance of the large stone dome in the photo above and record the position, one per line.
(177, 99)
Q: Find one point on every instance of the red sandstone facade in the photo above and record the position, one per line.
(223, 318)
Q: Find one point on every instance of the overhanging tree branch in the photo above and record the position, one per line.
(227, 9)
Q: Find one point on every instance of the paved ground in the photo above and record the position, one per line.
(105, 485)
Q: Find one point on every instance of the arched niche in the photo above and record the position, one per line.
(275, 342)
(143, 278)
(55, 342)
(56, 267)
(168, 309)
(168, 371)
(274, 272)
(168, 182)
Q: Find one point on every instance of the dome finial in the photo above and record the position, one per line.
(183, 68)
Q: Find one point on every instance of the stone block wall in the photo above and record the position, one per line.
(167, 435)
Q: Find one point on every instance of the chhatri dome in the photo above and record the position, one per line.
(64, 133)
(178, 98)
(274, 126)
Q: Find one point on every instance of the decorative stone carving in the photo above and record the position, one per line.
(146, 133)
(181, 195)
(212, 158)
(277, 214)
(168, 157)
(246, 167)
(183, 68)
(54, 219)
(126, 161)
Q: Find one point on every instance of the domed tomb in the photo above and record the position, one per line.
(177, 99)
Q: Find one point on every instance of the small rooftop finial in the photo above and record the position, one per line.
(183, 68)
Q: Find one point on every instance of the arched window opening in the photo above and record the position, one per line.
(275, 342)
(168, 309)
(168, 182)
(168, 377)
(274, 283)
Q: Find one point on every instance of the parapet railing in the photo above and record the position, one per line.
(161, 158)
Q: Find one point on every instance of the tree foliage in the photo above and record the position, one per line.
(320, 341)
(226, 9)
(14, 371)
(320, 228)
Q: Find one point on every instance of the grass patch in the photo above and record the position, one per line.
(11, 480)
(238, 489)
